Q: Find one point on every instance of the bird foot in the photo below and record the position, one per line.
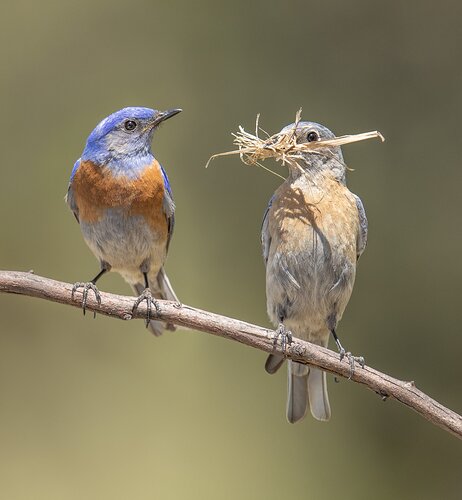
(352, 360)
(285, 335)
(86, 288)
(146, 295)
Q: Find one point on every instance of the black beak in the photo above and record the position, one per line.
(165, 115)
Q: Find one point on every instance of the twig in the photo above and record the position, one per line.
(120, 307)
(284, 146)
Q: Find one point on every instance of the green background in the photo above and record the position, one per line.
(100, 409)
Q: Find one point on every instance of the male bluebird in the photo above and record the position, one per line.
(314, 231)
(121, 196)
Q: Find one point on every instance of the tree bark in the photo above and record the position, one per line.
(121, 307)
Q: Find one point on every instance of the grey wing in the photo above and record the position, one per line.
(265, 236)
(361, 241)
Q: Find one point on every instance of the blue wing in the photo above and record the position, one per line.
(70, 195)
(169, 205)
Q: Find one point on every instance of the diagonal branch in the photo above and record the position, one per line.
(120, 307)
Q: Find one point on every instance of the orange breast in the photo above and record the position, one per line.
(96, 189)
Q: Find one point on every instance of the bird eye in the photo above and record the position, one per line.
(312, 137)
(130, 125)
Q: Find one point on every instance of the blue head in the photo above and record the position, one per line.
(123, 139)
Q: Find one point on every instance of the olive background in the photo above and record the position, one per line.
(100, 409)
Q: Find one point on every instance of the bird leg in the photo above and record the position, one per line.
(284, 334)
(344, 354)
(147, 296)
(87, 286)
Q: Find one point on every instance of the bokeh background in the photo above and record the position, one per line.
(100, 409)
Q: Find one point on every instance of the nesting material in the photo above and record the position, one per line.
(283, 147)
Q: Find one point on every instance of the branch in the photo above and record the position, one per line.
(118, 306)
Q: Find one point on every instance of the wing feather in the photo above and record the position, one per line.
(361, 240)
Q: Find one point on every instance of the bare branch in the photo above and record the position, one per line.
(120, 307)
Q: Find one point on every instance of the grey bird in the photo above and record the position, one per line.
(314, 231)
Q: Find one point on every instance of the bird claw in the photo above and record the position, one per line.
(146, 295)
(352, 360)
(284, 334)
(86, 287)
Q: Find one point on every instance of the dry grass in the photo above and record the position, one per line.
(283, 147)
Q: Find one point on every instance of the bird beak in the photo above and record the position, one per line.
(165, 115)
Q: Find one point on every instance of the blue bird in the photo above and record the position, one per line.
(121, 197)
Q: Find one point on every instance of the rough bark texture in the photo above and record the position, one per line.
(120, 307)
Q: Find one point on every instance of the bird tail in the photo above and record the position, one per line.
(273, 363)
(161, 288)
(165, 286)
(306, 386)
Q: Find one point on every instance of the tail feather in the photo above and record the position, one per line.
(297, 398)
(307, 386)
(165, 286)
(273, 363)
(317, 393)
(161, 289)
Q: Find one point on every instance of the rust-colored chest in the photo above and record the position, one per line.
(95, 190)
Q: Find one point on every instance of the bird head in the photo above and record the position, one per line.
(321, 159)
(125, 134)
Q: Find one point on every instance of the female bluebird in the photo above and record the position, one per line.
(313, 232)
(121, 197)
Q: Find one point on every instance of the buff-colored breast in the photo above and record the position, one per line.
(328, 209)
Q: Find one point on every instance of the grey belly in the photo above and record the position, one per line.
(125, 242)
(310, 290)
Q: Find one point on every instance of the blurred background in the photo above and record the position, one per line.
(100, 409)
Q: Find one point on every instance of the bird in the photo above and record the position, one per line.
(314, 230)
(122, 199)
